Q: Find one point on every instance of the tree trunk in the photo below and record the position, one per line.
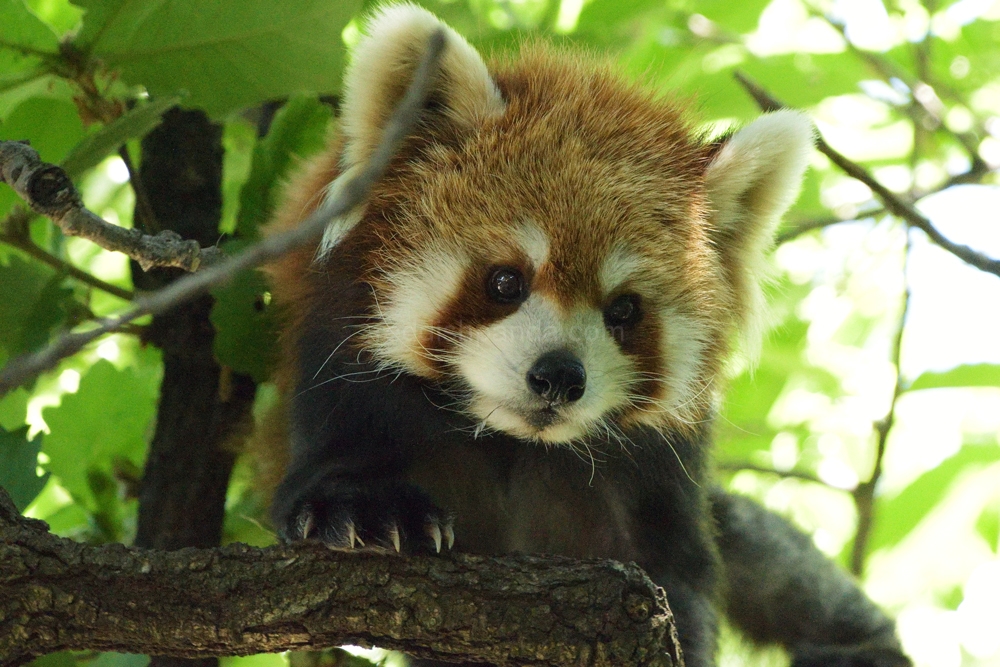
(203, 408)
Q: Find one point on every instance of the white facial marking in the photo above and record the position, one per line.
(534, 242)
(419, 293)
(618, 267)
(682, 348)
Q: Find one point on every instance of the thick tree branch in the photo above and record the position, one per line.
(48, 190)
(237, 600)
(893, 203)
(24, 368)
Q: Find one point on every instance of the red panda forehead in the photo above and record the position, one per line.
(580, 170)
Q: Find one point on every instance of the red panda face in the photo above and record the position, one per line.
(556, 284)
(556, 249)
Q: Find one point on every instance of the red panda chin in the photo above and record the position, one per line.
(546, 425)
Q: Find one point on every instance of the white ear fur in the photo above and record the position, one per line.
(750, 183)
(381, 67)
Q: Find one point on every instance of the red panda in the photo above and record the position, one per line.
(516, 344)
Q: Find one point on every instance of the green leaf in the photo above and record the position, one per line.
(228, 55)
(108, 417)
(25, 45)
(246, 334)
(239, 138)
(976, 375)
(299, 129)
(60, 15)
(49, 312)
(120, 660)
(18, 465)
(23, 31)
(896, 517)
(63, 659)
(14, 409)
(133, 125)
(34, 302)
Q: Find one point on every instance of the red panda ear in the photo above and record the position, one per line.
(382, 65)
(751, 181)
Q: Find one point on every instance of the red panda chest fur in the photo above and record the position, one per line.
(530, 505)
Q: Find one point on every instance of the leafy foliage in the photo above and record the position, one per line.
(908, 89)
(228, 55)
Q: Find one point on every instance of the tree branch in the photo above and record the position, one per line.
(237, 600)
(26, 367)
(788, 474)
(807, 226)
(48, 190)
(864, 494)
(892, 202)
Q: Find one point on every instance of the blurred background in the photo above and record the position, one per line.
(873, 417)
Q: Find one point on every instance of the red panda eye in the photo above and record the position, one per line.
(624, 311)
(506, 285)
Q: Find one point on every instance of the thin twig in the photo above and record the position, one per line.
(49, 191)
(864, 494)
(807, 226)
(15, 233)
(63, 266)
(973, 175)
(892, 202)
(355, 192)
(788, 474)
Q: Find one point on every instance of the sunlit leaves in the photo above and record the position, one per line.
(225, 55)
(897, 516)
(24, 43)
(108, 418)
(23, 31)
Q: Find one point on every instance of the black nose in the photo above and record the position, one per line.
(558, 377)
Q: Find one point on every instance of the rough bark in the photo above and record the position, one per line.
(237, 600)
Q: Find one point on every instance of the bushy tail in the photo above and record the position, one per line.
(781, 589)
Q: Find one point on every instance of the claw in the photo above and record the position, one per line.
(394, 536)
(449, 535)
(352, 535)
(435, 532)
(308, 525)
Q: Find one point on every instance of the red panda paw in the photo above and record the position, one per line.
(383, 513)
